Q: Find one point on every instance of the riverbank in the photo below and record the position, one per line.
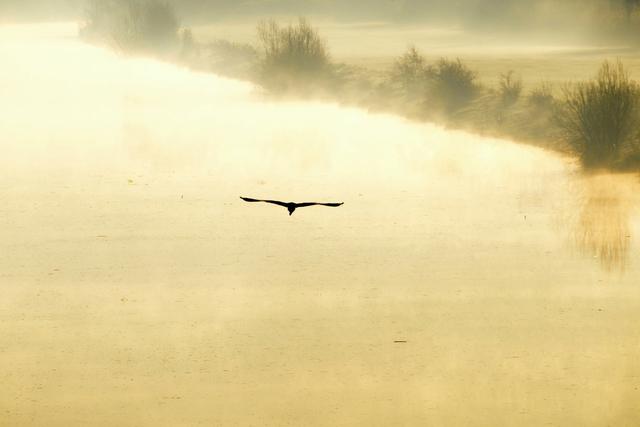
(593, 120)
(366, 79)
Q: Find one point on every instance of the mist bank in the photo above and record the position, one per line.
(605, 20)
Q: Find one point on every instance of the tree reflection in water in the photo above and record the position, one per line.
(603, 226)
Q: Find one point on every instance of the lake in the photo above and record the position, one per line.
(465, 280)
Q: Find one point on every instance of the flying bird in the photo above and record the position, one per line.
(292, 206)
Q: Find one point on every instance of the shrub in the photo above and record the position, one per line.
(451, 84)
(131, 25)
(599, 118)
(541, 96)
(410, 73)
(294, 55)
(510, 88)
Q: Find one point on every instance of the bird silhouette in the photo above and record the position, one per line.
(292, 206)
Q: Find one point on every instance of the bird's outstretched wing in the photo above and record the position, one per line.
(275, 202)
(333, 205)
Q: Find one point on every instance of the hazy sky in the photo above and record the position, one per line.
(550, 16)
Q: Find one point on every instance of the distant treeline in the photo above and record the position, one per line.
(598, 120)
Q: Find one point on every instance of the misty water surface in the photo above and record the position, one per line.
(138, 289)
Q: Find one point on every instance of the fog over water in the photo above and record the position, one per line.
(138, 289)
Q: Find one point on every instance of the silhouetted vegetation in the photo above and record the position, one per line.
(510, 88)
(444, 87)
(452, 84)
(293, 57)
(410, 73)
(448, 92)
(131, 25)
(541, 97)
(600, 118)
